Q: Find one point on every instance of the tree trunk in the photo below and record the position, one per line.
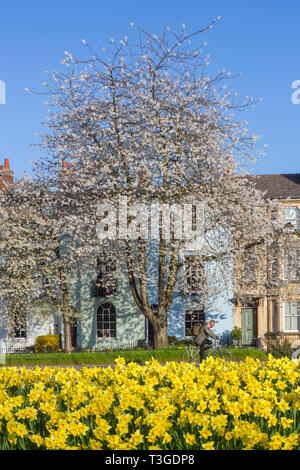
(160, 336)
(65, 310)
(67, 333)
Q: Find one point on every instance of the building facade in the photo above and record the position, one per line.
(270, 309)
(106, 313)
(108, 317)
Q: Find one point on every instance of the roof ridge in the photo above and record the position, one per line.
(277, 185)
(275, 174)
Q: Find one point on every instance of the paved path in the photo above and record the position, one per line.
(63, 366)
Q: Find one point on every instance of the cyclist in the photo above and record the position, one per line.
(202, 337)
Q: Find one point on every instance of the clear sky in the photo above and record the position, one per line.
(260, 38)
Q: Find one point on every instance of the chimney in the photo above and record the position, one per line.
(66, 177)
(228, 165)
(6, 176)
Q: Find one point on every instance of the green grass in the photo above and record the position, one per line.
(108, 357)
(241, 354)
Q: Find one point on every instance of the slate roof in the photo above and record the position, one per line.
(278, 186)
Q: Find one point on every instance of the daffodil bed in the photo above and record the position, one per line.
(217, 405)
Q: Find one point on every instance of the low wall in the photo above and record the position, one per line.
(281, 337)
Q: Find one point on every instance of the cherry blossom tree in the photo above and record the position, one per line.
(40, 254)
(146, 121)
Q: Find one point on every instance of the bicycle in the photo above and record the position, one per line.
(192, 353)
(219, 350)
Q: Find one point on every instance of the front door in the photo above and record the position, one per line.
(74, 334)
(248, 325)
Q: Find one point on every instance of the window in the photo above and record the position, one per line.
(274, 213)
(18, 325)
(275, 316)
(291, 268)
(106, 282)
(154, 307)
(292, 316)
(251, 261)
(190, 318)
(106, 321)
(194, 275)
(291, 215)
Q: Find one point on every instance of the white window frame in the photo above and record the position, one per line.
(194, 275)
(14, 329)
(293, 220)
(286, 304)
(107, 276)
(110, 322)
(196, 312)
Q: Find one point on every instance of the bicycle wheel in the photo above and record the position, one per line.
(186, 356)
(225, 353)
(221, 353)
(190, 355)
(195, 355)
(212, 352)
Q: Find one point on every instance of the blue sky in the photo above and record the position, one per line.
(261, 39)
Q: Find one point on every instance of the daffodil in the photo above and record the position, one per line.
(190, 439)
(208, 445)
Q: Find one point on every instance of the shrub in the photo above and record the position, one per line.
(236, 333)
(172, 340)
(280, 350)
(47, 343)
(184, 342)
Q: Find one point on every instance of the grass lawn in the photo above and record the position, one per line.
(108, 357)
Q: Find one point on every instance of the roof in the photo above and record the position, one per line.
(278, 186)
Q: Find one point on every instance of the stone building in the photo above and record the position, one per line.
(270, 310)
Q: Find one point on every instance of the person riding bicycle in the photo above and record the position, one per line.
(202, 337)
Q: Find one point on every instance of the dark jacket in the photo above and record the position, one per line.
(204, 333)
